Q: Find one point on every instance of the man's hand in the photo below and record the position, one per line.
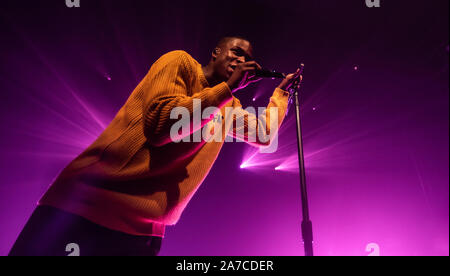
(243, 75)
(289, 80)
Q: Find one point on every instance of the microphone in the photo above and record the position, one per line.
(265, 73)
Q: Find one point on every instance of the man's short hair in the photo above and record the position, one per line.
(224, 40)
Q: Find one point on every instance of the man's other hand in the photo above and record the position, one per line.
(289, 80)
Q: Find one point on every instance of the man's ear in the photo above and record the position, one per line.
(216, 52)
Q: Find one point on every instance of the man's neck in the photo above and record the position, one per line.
(209, 75)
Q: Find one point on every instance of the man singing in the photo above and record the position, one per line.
(117, 196)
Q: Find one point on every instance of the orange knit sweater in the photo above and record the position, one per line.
(133, 178)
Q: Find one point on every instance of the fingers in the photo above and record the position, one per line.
(291, 79)
(250, 78)
(297, 73)
(250, 65)
(294, 75)
(253, 64)
(249, 69)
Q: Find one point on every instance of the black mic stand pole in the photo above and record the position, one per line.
(307, 232)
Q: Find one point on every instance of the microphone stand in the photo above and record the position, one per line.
(307, 232)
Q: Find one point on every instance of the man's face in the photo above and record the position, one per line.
(232, 53)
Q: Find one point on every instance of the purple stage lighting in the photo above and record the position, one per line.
(374, 103)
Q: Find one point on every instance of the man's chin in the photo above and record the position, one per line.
(225, 77)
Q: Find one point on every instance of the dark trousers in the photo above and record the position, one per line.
(53, 232)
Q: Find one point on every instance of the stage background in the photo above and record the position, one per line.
(375, 112)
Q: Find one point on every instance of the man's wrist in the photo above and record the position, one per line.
(281, 93)
(231, 85)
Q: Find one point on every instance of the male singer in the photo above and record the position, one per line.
(117, 196)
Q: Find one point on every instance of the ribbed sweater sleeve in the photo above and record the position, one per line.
(167, 86)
